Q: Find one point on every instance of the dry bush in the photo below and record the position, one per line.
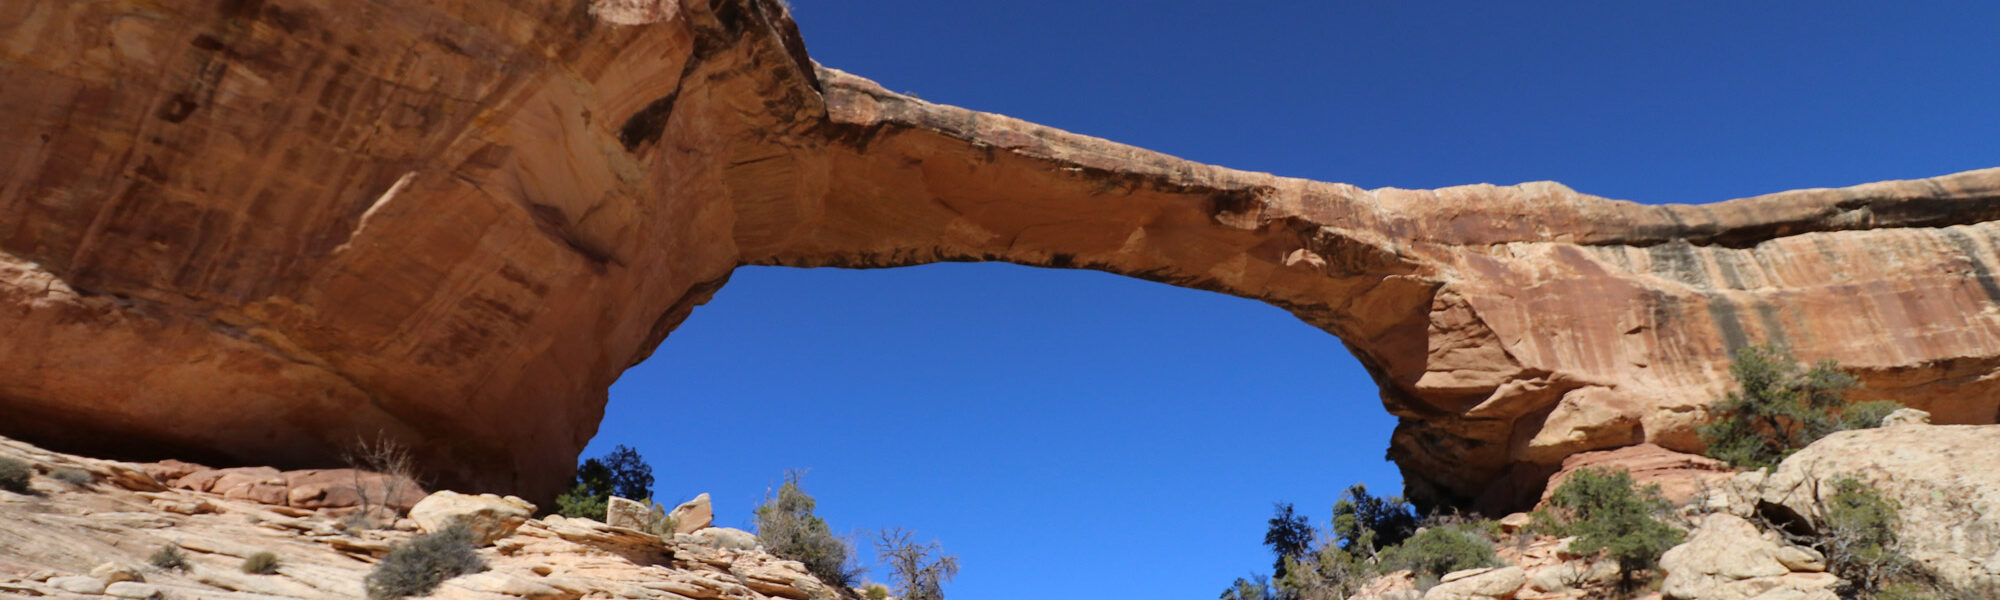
(14, 476)
(169, 558)
(920, 570)
(417, 567)
(261, 563)
(383, 456)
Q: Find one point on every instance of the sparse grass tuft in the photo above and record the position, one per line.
(75, 477)
(261, 563)
(417, 567)
(170, 558)
(14, 475)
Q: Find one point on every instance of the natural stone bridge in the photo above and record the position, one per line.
(253, 230)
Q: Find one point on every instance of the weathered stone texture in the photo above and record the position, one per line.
(253, 231)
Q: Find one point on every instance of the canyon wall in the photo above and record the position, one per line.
(254, 230)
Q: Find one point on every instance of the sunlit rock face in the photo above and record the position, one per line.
(245, 230)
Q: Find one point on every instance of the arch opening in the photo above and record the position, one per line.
(1010, 412)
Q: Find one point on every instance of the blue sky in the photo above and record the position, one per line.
(1073, 434)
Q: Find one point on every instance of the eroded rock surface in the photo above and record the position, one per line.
(253, 232)
(1942, 478)
(68, 541)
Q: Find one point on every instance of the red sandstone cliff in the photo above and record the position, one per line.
(255, 229)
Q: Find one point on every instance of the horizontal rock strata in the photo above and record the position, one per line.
(255, 231)
(64, 537)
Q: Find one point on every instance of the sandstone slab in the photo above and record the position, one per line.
(1727, 558)
(693, 515)
(1942, 478)
(490, 517)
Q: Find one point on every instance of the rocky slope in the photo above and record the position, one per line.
(251, 231)
(1939, 478)
(96, 540)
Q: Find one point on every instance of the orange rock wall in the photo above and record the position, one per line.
(255, 230)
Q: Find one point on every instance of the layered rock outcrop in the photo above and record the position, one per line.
(255, 230)
(69, 541)
(1940, 478)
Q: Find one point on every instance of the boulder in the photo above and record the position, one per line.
(1942, 477)
(693, 515)
(1573, 574)
(1906, 416)
(1478, 584)
(112, 572)
(1727, 558)
(1514, 522)
(489, 516)
(631, 514)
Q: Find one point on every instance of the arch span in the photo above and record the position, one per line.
(464, 254)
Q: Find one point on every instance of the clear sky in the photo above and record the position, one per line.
(1073, 434)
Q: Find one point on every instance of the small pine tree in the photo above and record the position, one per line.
(622, 473)
(1608, 513)
(1289, 536)
(1780, 407)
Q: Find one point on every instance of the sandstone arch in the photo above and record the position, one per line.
(251, 230)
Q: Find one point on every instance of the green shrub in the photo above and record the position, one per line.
(582, 503)
(1609, 514)
(14, 475)
(1780, 407)
(1435, 551)
(261, 563)
(75, 477)
(1332, 573)
(787, 527)
(920, 571)
(169, 558)
(1859, 536)
(417, 567)
(1906, 591)
(875, 591)
(1867, 415)
(660, 523)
